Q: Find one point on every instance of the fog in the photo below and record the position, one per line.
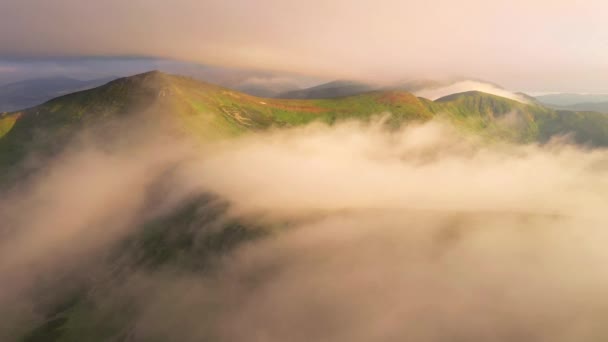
(422, 233)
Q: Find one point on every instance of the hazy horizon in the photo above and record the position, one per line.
(538, 46)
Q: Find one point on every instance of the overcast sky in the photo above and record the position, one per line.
(542, 45)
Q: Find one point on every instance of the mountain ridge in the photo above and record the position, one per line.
(337, 88)
(211, 112)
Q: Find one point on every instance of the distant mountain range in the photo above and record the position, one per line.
(28, 93)
(576, 102)
(429, 89)
(329, 90)
(268, 89)
(341, 88)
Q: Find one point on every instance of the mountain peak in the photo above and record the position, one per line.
(333, 89)
(151, 73)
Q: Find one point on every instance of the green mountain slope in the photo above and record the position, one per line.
(212, 112)
(198, 108)
(502, 118)
(491, 115)
(193, 236)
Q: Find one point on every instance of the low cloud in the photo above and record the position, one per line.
(421, 234)
(464, 86)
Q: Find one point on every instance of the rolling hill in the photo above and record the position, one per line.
(523, 122)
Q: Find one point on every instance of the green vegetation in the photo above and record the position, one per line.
(589, 128)
(194, 237)
(200, 109)
(491, 116)
(212, 112)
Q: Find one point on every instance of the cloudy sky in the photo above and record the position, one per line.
(533, 45)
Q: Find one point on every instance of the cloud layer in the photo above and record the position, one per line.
(421, 234)
(538, 45)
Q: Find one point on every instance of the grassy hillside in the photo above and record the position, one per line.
(201, 109)
(499, 118)
(212, 112)
(490, 115)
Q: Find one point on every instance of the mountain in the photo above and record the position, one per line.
(195, 107)
(427, 88)
(348, 88)
(164, 238)
(492, 116)
(28, 93)
(190, 238)
(333, 89)
(569, 99)
(518, 121)
(211, 112)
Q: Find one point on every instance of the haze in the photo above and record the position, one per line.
(524, 45)
(435, 237)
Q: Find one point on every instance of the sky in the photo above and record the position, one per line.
(533, 46)
(15, 69)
